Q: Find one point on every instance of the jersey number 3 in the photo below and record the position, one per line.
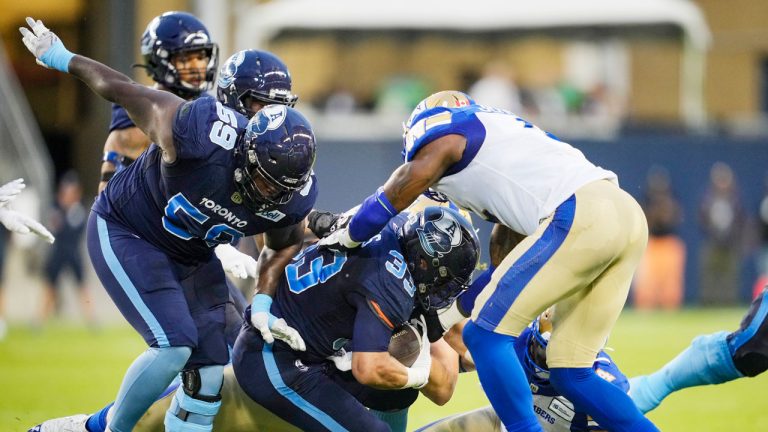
(317, 273)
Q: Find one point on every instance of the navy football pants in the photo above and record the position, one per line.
(170, 304)
(301, 394)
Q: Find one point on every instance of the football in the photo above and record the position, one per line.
(405, 344)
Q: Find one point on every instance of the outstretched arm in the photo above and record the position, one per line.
(403, 187)
(413, 178)
(152, 110)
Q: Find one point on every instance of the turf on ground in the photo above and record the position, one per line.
(64, 370)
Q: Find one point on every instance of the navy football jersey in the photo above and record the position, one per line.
(188, 207)
(359, 295)
(120, 119)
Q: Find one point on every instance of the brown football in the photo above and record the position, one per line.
(404, 345)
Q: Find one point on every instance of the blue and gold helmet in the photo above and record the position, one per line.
(441, 249)
(535, 361)
(255, 74)
(174, 33)
(274, 157)
(417, 124)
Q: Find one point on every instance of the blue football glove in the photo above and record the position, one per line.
(271, 327)
(46, 46)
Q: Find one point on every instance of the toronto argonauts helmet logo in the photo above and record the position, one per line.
(229, 69)
(150, 37)
(439, 236)
(269, 118)
(196, 38)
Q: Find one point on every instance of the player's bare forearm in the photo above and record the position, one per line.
(502, 241)
(379, 370)
(151, 110)
(443, 373)
(413, 178)
(280, 246)
(453, 337)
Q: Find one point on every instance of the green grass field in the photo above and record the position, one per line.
(64, 370)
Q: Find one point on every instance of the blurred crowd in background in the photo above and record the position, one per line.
(688, 75)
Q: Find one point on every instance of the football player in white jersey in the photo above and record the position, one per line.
(584, 239)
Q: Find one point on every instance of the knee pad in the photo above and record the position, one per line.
(197, 401)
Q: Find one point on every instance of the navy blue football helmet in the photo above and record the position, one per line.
(441, 249)
(274, 157)
(255, 74)
(175, 33)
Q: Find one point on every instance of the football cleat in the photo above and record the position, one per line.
(73, 423)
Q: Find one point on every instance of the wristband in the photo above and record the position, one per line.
(112, 157)
(261, 304)
(107, 176)
(57, 56)
(373, 215)
(417, 378)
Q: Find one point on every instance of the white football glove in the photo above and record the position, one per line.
(21, 224)
(271, 327)
(450, 316)
(10, 190)
(47, 48)
(342, 359)
(236, 263)
(340, 237)
(418, 373)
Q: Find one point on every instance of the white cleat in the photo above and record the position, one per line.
(74, 423)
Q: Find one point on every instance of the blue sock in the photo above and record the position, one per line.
(144, 381)
(397, 420)
(467, 299)
(707, 361)
(97, 422)
(608, 405)
(502, 377)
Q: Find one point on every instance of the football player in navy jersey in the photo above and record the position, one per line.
(210, 177)
(239, 413)
(351, 301)
(180, 57)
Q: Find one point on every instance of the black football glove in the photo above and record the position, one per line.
(323, 223)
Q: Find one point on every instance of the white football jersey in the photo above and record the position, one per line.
(512, 172)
